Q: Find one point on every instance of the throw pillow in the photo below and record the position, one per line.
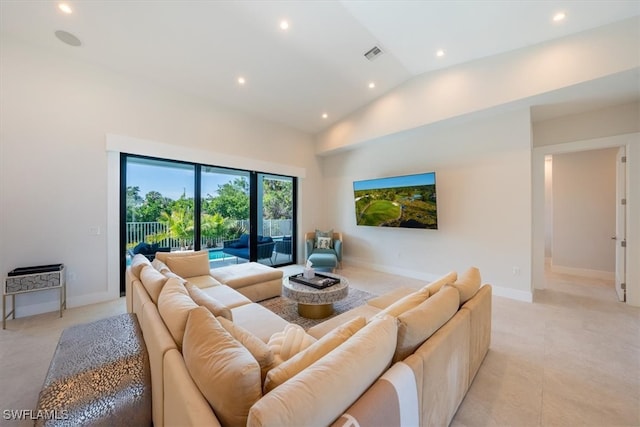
(224, 371)
(243, 241)
(213, 305)
(174, 305)
(319, 234)
(258, 348)
(418, 324)
(171, 275)
(159, 265)
(193, 264)
(323, 391)
(153, 282)
(292, 340)
(405, 303)
(436, 285)
(324, 243)
(314, 352)
(137, 263)
(468, 284)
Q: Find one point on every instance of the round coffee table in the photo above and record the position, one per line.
(315, 303)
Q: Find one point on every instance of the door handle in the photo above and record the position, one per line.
(614, 238)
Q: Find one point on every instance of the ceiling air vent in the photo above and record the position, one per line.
(373, 53)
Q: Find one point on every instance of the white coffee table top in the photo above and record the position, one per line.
(303, 294)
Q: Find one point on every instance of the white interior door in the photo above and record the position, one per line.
(621, 221)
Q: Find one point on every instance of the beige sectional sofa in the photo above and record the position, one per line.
(218, 358)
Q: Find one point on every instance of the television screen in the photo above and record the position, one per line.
(402, 201)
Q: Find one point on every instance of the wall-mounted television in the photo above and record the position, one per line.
(407, 201)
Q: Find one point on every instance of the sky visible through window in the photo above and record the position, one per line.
(171, 181)
(396, 181)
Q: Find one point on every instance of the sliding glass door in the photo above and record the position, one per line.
(237, 215)
(276, 214)
(225, 224)
(159, 206)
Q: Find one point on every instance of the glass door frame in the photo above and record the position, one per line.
(197, 204)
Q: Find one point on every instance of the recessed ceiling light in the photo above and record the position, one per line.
(68, 38)
(559, 17)
(440, 52)
(65, 8)
(372, 85)
(241, 80)
(325, 115)
(284, 25)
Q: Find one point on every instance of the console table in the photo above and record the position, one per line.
(33, 279)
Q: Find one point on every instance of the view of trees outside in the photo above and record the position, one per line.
(225, 213)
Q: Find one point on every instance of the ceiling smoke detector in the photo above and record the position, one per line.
(373, 53)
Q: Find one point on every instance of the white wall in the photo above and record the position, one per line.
(584, 213)
(54, 166)
(484, 201)
(491, 82)
(613, 120)
(616, 126)
(632, 143)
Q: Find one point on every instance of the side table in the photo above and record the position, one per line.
(315, 303)
(33, 279)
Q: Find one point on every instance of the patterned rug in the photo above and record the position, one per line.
(288, 309)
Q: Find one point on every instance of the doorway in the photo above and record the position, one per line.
(584, 220)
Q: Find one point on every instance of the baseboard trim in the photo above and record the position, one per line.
(583, 272)
(514, 294)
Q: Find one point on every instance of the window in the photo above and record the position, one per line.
(237, 215)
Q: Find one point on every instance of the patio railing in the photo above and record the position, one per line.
(137, 232)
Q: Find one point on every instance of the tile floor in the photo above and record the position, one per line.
(571, 358)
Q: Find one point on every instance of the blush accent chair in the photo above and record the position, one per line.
(322, 258)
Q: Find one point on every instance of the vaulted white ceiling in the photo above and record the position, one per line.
(316, 66)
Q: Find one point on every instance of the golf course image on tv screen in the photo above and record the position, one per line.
(407, 201)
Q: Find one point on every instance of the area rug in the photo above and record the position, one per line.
(288, 309)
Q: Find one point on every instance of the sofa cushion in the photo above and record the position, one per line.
(213, 305)
(258, 320)
(468, 284)
(174, 305)
(384, 301)
(436, 285)
(289, 342)
(405, 303)
(227, 296)
(153, 281)
(159, 265)
(189, 264)
(225, 372)
(241, 275)
(203, 282)
(324, 390)
(258, 349)
(322, 329)
(243, 241)
(138, 262)
(170, 274)
(311, 354)
(418, 324)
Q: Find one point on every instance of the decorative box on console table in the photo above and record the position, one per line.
(32, 279)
